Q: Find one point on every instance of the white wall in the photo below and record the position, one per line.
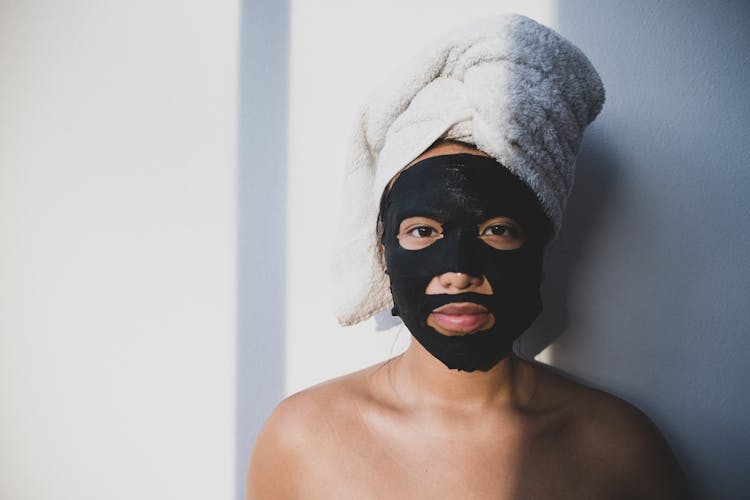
(117, 249)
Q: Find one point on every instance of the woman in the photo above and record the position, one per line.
(460, 171)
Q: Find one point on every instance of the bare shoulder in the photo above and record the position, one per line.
(617, 440)
(306, 424)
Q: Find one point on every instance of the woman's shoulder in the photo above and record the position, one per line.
(592, 411)
(325, 404)
(313, 422)
(614, 435)
(336, 397)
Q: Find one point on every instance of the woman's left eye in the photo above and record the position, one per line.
(501, 233)
(497, 230)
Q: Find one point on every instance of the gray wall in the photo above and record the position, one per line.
(261, 205)
(647, 288)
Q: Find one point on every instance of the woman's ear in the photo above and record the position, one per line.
(381, 252)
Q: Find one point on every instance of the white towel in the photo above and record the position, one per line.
(515, 89)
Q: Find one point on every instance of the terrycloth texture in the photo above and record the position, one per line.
(515, 89)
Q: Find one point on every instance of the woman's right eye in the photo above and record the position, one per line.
(423, 232)
(416, 233)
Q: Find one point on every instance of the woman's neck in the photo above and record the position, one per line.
(422, 379)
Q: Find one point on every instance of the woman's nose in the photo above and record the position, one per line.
(459, 280)
(458, 283)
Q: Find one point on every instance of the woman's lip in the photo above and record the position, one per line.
(461, 308)
(460, 317)
(460, 323)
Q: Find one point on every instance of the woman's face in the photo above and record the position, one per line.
(464, 271)
(419, 232)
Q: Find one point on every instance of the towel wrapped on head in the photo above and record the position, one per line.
(513, 88)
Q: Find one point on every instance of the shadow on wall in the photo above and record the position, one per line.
(652, 257)
(261, 205)
(593, 192)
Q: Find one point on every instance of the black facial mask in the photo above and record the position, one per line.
(461, 192)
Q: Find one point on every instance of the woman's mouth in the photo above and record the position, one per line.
(460, 318)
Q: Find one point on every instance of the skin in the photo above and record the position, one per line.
(410, 428)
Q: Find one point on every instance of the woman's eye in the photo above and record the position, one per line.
(416, 233)
(497, 230)
(501, 233)
(423, 232)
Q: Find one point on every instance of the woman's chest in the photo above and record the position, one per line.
(452, 467)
